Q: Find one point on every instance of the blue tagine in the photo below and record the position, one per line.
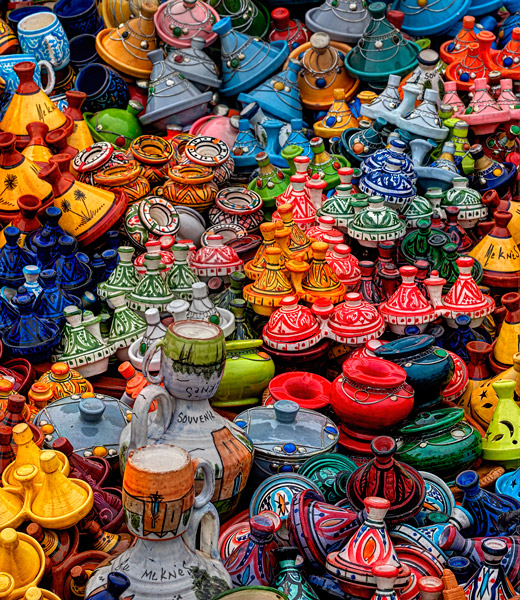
(391, 183)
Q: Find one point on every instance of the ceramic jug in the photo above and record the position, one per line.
(161, 509)
(192, 362)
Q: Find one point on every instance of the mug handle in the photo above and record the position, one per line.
(208, 520)
(51, 42)
(51, 76)
(139, 422)
(157, 379)
(208, 489)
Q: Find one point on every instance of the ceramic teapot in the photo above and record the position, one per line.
(193, 355)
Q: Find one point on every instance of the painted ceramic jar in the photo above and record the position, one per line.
(150, 219)
(216, 259)
(116, 125)
(353, 322)
(239, 206)
(210, 153)
(95, 158)
(372, 394)
(153, 154)
(192, 186)
(166, 524)
(125, 178)
(294, 435)
(428, 368)
(191, 422)
(440, 441)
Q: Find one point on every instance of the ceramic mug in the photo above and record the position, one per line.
(16, 15)
(104, 88)
(158, 490)
(83, 51)
(10, 79)
(78, 16)
(43, 35)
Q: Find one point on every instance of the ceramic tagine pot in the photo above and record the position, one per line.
(429, 368)
(295, 435)
(368, 383)
(190, 421)
(382, 50)
(440, 441)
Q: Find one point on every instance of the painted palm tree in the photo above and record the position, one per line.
(10, 184)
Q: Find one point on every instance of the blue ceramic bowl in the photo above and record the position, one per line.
(103, 86)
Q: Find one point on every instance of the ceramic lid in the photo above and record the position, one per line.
(216, 254)
(459, 382)
(291, 323)
(465, 295)
(435, 420)
(376, 220)
(91, 422)
(178, 21)
(286, 431)
(374, 372)
(356, 320)
(408, 299)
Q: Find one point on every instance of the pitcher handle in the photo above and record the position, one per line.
(157, 379)
(209, 530)
(51, 76)
(139, 422)
(208, 489)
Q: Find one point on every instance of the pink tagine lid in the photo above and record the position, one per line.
(178, 21)
(292, 327)
(356, 321)
(408, 299)
(465, 295)
(216, 255)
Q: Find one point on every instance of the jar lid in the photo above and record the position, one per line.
(284, 430)
(91, 422)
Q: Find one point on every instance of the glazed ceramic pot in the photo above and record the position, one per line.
(368, 383)
(115, 125)
(237, 205)
(104, 87)
(371, 540)
(247, 374)
(181, 20)
(384, 477)
(440, 441)
(428, 368)
(190, 420)
(125, 178)
(210, 153)
(192, 186)
(295, 435)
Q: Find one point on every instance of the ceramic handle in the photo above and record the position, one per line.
(51, 43)
(207, 518)
(139, 422)
(51, 76)
(208, 489)
(157, 379)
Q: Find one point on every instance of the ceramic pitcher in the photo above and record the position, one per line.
(193, 355)
(161, 509)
